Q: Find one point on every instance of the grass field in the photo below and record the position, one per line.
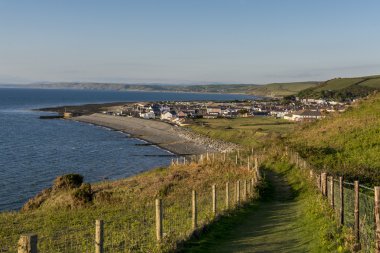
(249, 132)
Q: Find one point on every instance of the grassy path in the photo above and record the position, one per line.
(267, 226)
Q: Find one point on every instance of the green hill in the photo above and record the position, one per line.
(345, 144)
(281, 89)
(343, 88)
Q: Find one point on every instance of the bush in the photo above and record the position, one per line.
(83, 195)
(68, 181)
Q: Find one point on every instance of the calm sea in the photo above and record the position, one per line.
(33, 152)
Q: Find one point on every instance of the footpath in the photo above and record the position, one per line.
(270, 225)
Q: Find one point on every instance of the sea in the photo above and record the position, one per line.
(33, 152)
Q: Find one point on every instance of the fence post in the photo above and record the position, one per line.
(252, 185)
(332, 192)
(238, 192)
(27, 243)
(99, 236)
(324, 184)
(248, 167)
(248, 189)
(214, 199)
(194, 210)
(245, 190)
(377, 219)
(159, 220)
(341, 211)
(227, 195)
(236, 159)
(356, 215)
(258, 176)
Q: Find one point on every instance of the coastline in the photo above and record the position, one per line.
(174, 139)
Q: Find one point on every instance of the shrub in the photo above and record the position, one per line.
(83, 195)
(68, 181)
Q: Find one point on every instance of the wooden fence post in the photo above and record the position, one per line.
(27, 243)
(356, 215)
(99, 236)
(236, 160)
(377, 219)
(249, 189)
(248, 167)
(214, 199)
(341, 193)
(245, 190)
(159, 231)
(227, 195)
(194, 210)
(324, 184)
(332, 192)
(238, 192)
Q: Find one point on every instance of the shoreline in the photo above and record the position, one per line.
(144, 142)
(174, 139)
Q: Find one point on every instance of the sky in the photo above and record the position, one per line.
(187, 41)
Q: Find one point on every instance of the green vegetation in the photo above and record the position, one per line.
(345, 144)
(343, 88)
(281, 89)
(65, 215)
(249, 132)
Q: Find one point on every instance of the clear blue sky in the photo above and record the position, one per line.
(188, 41)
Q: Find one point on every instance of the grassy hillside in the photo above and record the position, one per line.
(345, 144)
(343, 88)
(281, 89)
(63, 217)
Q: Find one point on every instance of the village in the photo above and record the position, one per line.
(181, 113)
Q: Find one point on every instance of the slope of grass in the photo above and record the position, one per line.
(343, 88)
(373, 83)
(346, 144)
(338, 83)
(127, 208)
(249, 132)
(281, 89)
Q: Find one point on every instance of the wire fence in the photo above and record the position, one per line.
(137, 226)
(346, 209)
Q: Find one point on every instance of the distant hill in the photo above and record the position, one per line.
(337, 88)
(345, 144)
(273, 89)
(343, 88)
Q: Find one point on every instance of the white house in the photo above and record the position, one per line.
(166, 116)
(147, 115)
(307, 115)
